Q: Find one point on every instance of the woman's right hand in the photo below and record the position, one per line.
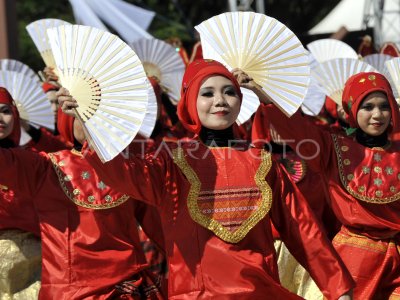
(66, 102)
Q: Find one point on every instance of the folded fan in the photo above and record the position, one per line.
(161, 60)
(262, 47)
(32, 103)
(333, 74)
(38, 33)
(327, 49)
(17, 66)
(108, 81)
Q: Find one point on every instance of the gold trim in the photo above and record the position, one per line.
(213, 225)
(61, 176)
(359, 241)
(344, 182)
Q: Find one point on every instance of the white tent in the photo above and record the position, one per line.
(356, 15)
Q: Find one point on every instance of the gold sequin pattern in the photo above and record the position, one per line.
(213, 225)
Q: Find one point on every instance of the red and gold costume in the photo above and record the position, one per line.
(391, 49)
(20, 250)
(363, 185)
(216, 205)
(90, 244)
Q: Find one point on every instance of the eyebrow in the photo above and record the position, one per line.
(211, 87)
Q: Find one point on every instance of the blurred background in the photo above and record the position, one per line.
(347, 20)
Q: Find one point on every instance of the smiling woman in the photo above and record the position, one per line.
(374, 114)
(360, 173)
(218, 103)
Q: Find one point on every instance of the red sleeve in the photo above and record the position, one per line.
(50, 143)
(22, 170)
(305, 238)
(310, 142)
(141, 176)
(22, 174)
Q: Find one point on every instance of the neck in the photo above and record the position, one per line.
(6, 143)
(221, 138)
(371, 141)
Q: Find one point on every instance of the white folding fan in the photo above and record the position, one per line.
(37, 32)
(161, 60)
(377, 60)
(108, 81)
(32, 103)
(327, 49)
(315, 97)
(17, 66)
(393, 75)
(262, 47)
(333, 74)
(149, 121)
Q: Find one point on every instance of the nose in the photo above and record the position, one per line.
(219, 100)
(377, 113)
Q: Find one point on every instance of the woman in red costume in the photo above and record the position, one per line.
(216, 200)
(20, 258)
(90, 244)
(362, 176)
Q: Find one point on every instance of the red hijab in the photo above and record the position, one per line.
(359, 86)
(65, 125)
(5, 98)
(196, 73)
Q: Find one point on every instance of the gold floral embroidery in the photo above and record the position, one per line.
(350, 176)
(76, 192)
(91, 198)
(61, 163)
(101, 185)
(362, 80)
(66, 178)
(378, 181)
(389, 170)
(361, 189)
(393, 189)
(358, 241)
(85, 175)
(108, 198)
(379, 193)
(378, 170)
(366, 170)
(347, 162)
(344, 148)
(213, 225)
(371, 77)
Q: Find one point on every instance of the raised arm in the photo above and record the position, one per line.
(306, 240)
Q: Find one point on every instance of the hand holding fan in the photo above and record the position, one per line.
(108, 81)
(263, 48)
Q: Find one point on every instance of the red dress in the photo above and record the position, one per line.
(216, 205)
(363, 185)
(89, 239)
